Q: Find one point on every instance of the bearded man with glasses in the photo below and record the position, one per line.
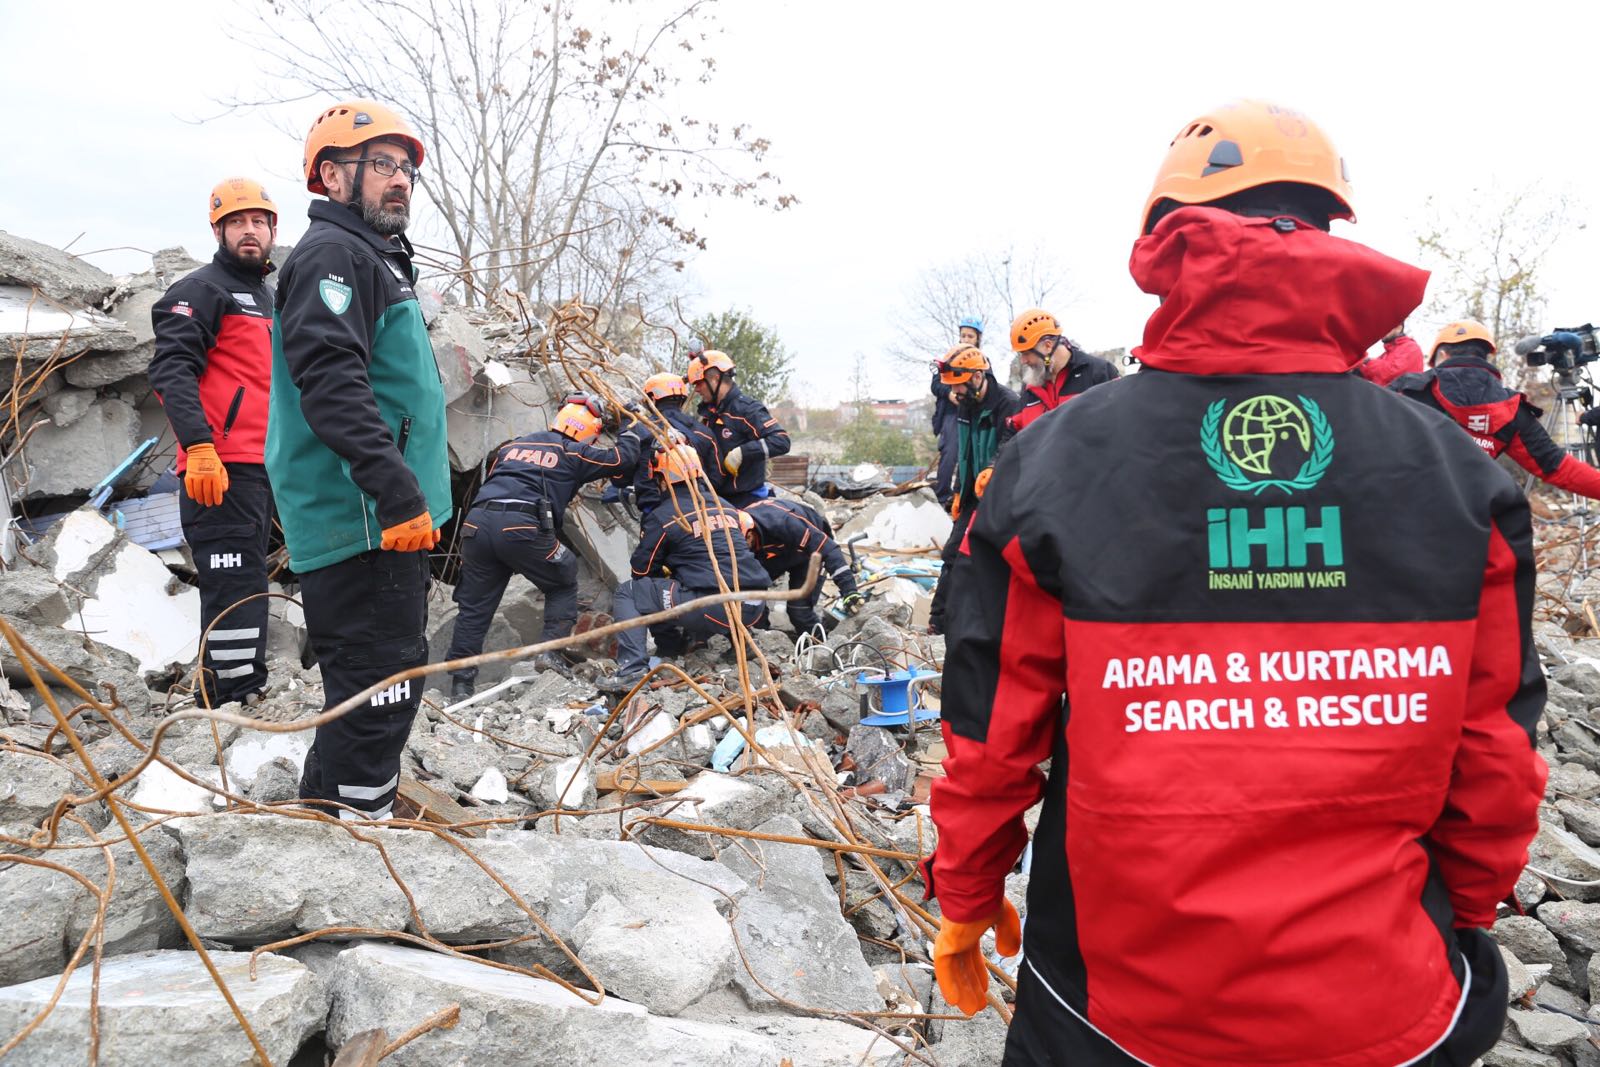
(356, 446)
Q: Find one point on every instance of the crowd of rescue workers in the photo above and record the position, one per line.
(1262, 897)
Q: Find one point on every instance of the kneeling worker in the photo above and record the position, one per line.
(784, 536)
(514, 522)
(674, 542)
(1465, 384)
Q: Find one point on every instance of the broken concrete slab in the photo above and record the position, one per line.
(162, 1007)
(715, 800)
(1532, 942)
(256, 878)
(41, 329)
(488, 413)
(817, 1042)
(62, 461)
(603, 542)
(514, 1020)
(97, 666)
(1558, 851)
(48, 913)
(67, 406)
(568, 784)
(166, 628)
(95, 369)
(459, 349)
(790, 930)
(662, 951)
(1575, 923)
(31, 786)
(55, 273)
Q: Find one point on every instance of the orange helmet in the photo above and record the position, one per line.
(352, 123)
(677, 463)
(1031, 327)
(710, 359)
(1246, 144)
(961, 363)
(581, 418)
(1457, 332)
(661, 386)
(240, 194)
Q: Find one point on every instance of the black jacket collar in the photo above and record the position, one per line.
(341, 216)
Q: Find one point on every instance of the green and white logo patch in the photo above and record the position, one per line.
(335, 295)
(1258, 434)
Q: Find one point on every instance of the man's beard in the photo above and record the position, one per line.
(390, 223)
(1033, 374)
(255, 257)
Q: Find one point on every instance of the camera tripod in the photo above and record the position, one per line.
(1563, 423)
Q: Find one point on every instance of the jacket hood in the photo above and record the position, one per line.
(1264, 296)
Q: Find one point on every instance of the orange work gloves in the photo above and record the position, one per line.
(205, 479)
(958, 956)
(981, 482)
(413, 535)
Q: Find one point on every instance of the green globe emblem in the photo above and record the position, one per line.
(1254, 428)
(1243, 443)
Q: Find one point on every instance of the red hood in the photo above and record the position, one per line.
(1240, 296)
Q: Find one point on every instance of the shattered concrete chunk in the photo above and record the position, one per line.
(47, 913)
(73, 459)
(53, 272)
(162, 1007)
(459, 349)
(662, 951)
(1548, 1031)
(512, 1019)
(715, 800)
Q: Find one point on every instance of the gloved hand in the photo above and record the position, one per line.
(413, 535)
(852, 603)
(981, 482)
(955, 507)
(733, 460)
(205, 479)
(958, 956)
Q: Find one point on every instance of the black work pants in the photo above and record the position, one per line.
(803, 613)
(952, 549)
(645, 596)
(229, 545)
(1044, 1033)
(497, 542)
(367, 618)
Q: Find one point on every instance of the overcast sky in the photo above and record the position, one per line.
(914, 133)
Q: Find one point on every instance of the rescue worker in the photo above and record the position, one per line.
(1037, 340)
(515, 521)
(1401, 355)
(669, 393)
(1464, 383)
(969, 332)
(1298, 774)
(984, 410)
(673, 564)
(212, 371)
(356, 446)
(784, 535)
(743, 433)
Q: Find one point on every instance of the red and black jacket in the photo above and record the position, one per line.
(1469, 390)
(1290, 750)
(1080, 372)
(213, 364)
(1401, 355)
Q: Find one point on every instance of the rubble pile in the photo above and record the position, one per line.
(717, 869)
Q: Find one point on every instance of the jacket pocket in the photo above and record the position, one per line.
(233, 411)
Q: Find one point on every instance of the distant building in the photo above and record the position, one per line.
(790, 416)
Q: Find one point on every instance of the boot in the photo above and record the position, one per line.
(620, 682)
(552, 661)
(461, 689)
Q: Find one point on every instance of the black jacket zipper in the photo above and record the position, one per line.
(405, 434)
(233, 411)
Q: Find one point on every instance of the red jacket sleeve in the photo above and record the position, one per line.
(1480, 840)
(1004, 679)
(1400, 356)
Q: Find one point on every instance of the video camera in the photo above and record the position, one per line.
(1564, 349)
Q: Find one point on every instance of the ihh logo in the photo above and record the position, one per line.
(224, 560)
(396, 693)
(1283, 534)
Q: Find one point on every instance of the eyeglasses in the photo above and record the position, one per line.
(384, 167)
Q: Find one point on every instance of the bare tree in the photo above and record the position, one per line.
(1485, 253)
(995, 286)
(559, 158)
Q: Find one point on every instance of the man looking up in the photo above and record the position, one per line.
(356, 445)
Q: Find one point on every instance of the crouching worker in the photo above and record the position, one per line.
(680, 556)
(784, 536)
(1465, 384)
(513, 525)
